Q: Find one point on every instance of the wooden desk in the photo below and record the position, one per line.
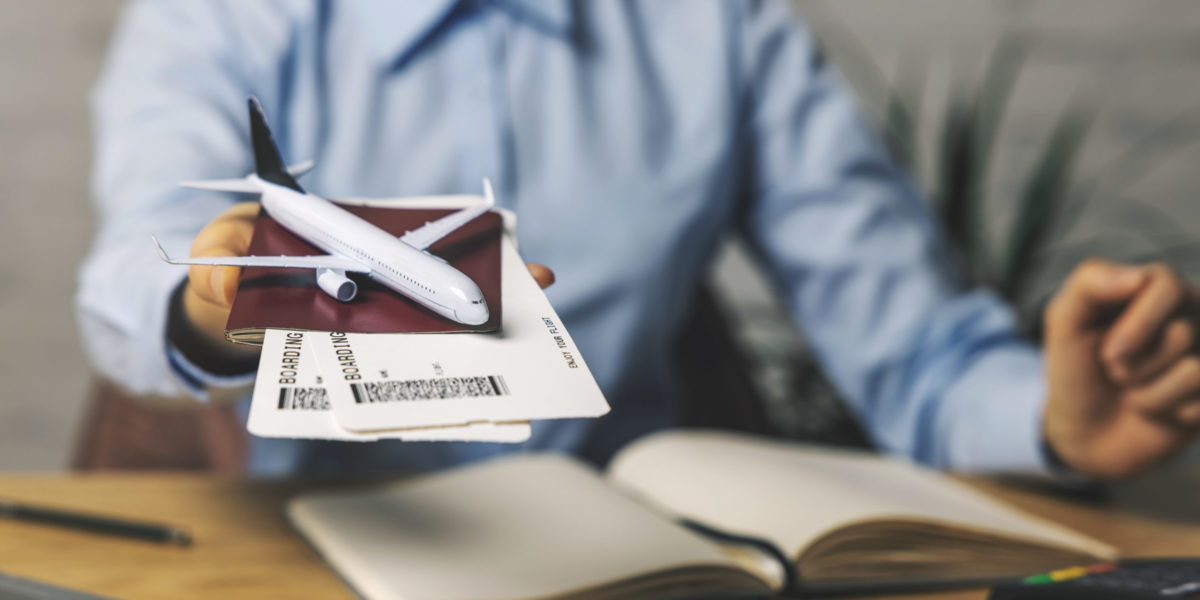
(245, 549)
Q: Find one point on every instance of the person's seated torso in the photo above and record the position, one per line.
(610, 128)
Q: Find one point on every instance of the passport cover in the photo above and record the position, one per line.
(290, 299)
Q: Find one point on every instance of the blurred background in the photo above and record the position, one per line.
(1043, 131)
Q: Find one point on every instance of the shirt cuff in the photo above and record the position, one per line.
(992, 415)
(198, 380)
(198, 363)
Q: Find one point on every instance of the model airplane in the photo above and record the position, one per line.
(403, 263)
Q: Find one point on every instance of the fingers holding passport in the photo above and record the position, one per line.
(210, 289)
(227, 235)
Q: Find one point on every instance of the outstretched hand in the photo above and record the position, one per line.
(208, 296)
(1122, 368)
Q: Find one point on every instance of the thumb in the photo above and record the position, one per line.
(542, 274)
(1090, 293)
(215, 284)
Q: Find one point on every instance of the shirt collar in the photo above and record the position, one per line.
(397, 27)
(554, 17)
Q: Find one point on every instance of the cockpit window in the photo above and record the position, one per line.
(462, 295)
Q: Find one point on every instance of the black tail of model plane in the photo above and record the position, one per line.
(267, 163)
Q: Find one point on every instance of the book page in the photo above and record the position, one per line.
(533, 526)
(792, 494)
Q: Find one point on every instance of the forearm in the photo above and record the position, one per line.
(934, 369)
(161, 114)
(989, 417)
(121, 310)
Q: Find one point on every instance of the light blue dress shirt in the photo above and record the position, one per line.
(629, 137)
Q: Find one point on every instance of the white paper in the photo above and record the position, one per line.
(530, 369)
(527, 526)
(290, 401)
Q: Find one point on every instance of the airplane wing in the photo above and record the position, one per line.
(428, 234)
(327, 261)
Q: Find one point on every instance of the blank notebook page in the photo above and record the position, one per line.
(792, 494)
(525, 527)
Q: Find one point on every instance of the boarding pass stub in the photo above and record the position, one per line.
(291, 401)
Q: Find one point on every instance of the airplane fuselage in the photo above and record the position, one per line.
(416, 274)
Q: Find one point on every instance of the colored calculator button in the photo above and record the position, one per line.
(1038, 579)
(1102, 568)
(1065, 574)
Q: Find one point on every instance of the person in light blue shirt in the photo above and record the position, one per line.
(628, 137)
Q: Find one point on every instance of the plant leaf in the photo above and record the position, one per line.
(968, 136)
(953, 163)
(903, 113)
(992, 99)
(1041, 200)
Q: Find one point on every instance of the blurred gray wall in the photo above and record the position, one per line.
(1139, 60)
(50, 52)
(1135, 64)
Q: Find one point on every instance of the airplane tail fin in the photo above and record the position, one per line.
(267, 162)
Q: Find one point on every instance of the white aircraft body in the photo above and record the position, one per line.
(403, 263)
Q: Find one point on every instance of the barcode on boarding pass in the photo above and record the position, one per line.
(439, 388)
(303, 398)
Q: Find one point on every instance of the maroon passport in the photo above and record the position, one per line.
(271, 298)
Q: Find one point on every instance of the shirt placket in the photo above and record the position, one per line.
(482, 105)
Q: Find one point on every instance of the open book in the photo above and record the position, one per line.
(681, 514)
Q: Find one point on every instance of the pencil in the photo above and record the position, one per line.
(151, 532)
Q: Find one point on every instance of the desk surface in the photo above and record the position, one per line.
(245, 549)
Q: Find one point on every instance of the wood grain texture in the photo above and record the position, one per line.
(244, 548)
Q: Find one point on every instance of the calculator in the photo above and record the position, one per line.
(1158, 578)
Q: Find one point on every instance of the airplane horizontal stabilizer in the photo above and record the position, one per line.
(245, 185)
(240, 186)
(301, 168)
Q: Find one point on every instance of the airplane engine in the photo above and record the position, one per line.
(335, 283)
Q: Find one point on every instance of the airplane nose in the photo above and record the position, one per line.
(475, 315)
(482, 316)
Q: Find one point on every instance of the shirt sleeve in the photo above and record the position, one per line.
(933, 367)
(167, 107)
